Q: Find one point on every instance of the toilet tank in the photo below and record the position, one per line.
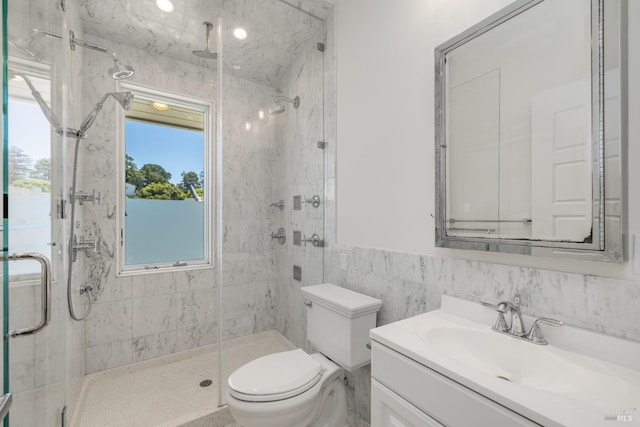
(338, 323)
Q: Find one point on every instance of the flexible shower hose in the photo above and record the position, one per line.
(86, 290)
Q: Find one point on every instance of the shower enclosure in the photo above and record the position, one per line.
(81, 80)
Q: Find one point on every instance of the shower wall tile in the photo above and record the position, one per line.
(192, 280)
(154, 345)
(196, 336)
(164, 284)
(100, 357)
(153, 315)
(195, 307)
(145, 316)
(109, 322)
(301, 171)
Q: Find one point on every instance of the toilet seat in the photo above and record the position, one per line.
(275, 377)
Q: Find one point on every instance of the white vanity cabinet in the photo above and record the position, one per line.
(405, 393)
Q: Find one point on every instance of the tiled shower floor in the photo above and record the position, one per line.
(166, 392)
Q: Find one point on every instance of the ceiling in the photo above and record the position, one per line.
(278, 30)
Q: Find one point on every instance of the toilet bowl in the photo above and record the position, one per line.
(295, 389)
(288, 389)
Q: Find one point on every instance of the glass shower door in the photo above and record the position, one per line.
(34, 347)
(272, 140)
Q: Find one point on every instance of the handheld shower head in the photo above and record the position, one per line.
(53, 120)
(125, 99)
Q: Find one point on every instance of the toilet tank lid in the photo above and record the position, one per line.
(344, 301)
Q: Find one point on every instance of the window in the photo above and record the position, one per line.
(29, 161)
(166, 186)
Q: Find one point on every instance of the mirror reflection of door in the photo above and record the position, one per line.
(561, 163)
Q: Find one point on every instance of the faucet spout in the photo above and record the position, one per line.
(517, 323)
(517, 327)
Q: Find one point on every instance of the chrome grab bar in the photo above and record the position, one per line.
(5, 405)
(45, 271)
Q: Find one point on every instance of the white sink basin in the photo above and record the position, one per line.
(505, 358)
(575, 380)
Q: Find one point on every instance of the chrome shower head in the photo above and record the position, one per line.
(206, 53)
(278, 108)
(121, 72)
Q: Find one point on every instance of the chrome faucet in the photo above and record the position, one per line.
(517, 328)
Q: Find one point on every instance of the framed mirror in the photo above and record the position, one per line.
(529, 150)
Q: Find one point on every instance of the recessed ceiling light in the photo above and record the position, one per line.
(247, 125)
(240, 33)
(236, 67)
(261, 114)
(160, 106)
(165, 5)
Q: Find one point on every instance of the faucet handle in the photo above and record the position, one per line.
(535, 334)
(501, 308)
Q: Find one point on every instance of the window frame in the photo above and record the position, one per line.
(208, 110)
(44, 71)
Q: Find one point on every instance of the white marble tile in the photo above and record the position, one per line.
(153, 315)
(162, 284)
(197, 336)
(154, 345)
(196, 307)
(109, 322)
(109, 355)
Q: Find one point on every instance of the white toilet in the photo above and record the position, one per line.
(294, 389)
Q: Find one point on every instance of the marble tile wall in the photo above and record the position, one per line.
(248, 265)
(135, 318)
(300, 172)
(410, 284)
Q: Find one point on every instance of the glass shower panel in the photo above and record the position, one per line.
(273, 175)
(37, 373)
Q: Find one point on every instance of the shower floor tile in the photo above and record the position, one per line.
(166, 392)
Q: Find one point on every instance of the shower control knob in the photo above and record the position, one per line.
(279, 204)
(313, 201)
(314, 240)
(280, 236)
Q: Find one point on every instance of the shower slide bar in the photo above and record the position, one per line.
(45, 274)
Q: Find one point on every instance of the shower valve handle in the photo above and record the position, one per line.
(313, 201)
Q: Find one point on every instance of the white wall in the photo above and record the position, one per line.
(385, 126)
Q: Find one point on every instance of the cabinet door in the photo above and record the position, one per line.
(390, 410)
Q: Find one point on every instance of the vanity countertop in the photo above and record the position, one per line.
(580, 378)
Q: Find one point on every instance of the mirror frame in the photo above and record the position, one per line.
(609, 247)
